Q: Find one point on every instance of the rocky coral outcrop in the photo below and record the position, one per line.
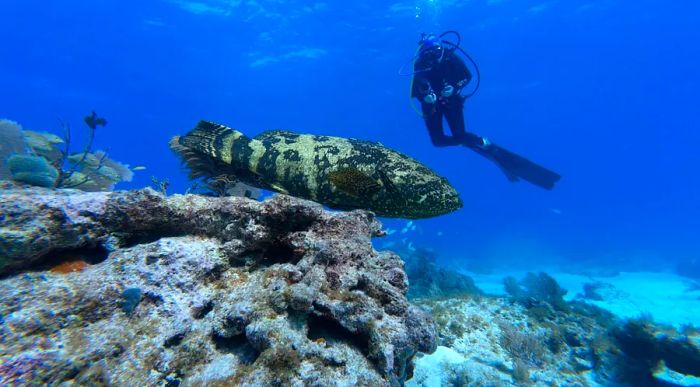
(531, 337)
(648, 353)
(136, 288)
(534, 337)
(492, 341)
(429, 280)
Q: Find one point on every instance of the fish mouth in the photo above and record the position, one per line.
(444, 204)
(441, 210)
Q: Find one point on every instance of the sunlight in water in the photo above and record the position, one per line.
(429, 11)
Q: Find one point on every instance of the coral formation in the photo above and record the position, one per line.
(491, 341)
(526, 347)
(33, 170)
(537, 291)
(44, 159)
(427, 279)
(12, 142)
(590, 291)
(645, 347)
(200, 291)
(494, 341)
(131, 298)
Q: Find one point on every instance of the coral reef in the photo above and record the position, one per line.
(487, 340)
(526, 348)
(197, 290)
(491, 341)
(537, 291)
(44, 159)
(590, 291)
(429, 280)
(644, 349)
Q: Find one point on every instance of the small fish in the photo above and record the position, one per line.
(410, 226)
(51, 138)
(139, 168)
(439, 233)
(390, 231)
(93, 121)
(88, 159)
(388, 245)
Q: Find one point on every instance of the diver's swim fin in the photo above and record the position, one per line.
(517, 167)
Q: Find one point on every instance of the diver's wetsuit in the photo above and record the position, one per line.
(451, 70)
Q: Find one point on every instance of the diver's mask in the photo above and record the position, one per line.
(431, 48)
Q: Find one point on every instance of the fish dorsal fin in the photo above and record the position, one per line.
(275, 133)
(354, 182)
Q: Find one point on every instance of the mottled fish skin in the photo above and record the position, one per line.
(301, 165)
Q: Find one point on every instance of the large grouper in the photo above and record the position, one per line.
(341, 173)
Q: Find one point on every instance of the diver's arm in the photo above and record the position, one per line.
(423, 91)
(421, 87)
(459, 75)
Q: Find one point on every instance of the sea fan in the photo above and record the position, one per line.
(43, 159)
(11, 143)
(96, 172)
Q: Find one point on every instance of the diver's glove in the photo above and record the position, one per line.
(430, 98)
(447, 91)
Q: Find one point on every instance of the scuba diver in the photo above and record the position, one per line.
(439, 78)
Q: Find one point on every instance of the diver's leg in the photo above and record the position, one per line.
(433, 121)
(454, 113)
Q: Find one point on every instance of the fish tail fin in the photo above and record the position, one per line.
(208, 149)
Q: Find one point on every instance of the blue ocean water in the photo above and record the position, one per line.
(604, 92)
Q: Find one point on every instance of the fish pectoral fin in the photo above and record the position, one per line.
(391, 188)
(354, 182)
(387, 183)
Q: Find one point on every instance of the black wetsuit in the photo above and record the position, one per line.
(451, 70)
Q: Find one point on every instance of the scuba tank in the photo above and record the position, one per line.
(441, 45)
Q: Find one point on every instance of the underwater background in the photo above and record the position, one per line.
(596, 282)
(603, 92)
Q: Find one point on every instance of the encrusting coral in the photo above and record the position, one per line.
(200, 291)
